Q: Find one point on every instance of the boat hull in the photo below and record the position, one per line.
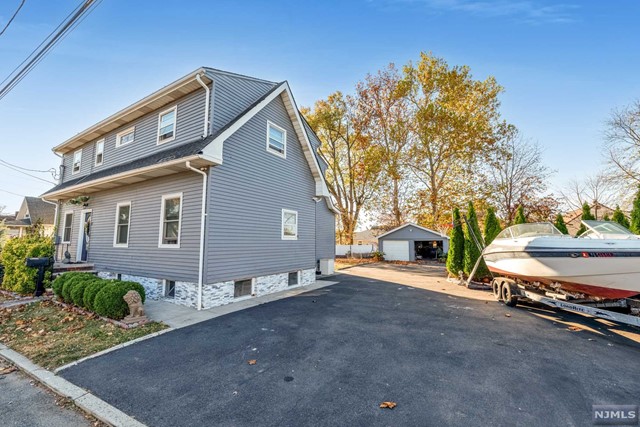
(605, 277)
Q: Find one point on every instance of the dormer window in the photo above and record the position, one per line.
(77, 161)
(276, 140)
(99, 152)
(167, 125)
(125, 137)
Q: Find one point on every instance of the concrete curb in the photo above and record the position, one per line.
(82, 398)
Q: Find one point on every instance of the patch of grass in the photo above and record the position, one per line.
(52, 336)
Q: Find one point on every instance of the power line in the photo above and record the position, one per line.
(28, 174)
(38, 54)
(12, 18)
(52, 170)
(11, 192)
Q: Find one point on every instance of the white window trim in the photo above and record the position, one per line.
(282, 225)
(124, 132)
(73, 162)
(253, 289)
(96, 152)
(165, 245)
(64, 226)
(284, 140)
(175, 124)
(115, 233)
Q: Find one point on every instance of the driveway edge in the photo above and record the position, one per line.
(80, 397)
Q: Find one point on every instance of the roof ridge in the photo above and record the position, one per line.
(243, 76)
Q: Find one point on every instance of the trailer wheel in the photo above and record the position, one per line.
(507, 295)
(495, 287)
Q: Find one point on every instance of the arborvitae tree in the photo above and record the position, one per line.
(471, 250)
(620, 218)
(491, 226)
(606, 217)
(560, 225)
(455, 256)
(520, 218)
(586, 215)
(635, 214)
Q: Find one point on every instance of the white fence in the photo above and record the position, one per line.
(342, 250)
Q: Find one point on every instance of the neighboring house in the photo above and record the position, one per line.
(411, 242)
(367, 237)
(207, 191)
(573, 219)
(32, 210)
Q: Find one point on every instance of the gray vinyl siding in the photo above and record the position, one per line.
(412, 233)
(315, 143)
(247, 195)
(189, 126)
(232, 95)
(325, 231)
(143, 257)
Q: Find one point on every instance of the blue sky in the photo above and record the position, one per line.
(564, 65)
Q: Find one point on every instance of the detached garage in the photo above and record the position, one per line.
(410, 242)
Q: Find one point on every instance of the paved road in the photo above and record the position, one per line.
(330, 357)
(24, 404)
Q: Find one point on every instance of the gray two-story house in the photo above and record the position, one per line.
(207, 191)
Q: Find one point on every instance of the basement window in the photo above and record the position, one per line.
(242, 288)
(294, 278)
(169, 289)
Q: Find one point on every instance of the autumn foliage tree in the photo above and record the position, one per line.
(353, 162)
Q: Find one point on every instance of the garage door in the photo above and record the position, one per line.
(396, 250)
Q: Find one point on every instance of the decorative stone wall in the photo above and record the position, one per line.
(216, 294)
(308, 277)
(269, 284)
(186, 294)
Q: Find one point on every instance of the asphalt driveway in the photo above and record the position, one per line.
(329, 357)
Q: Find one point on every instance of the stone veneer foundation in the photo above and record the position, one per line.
(214, 294)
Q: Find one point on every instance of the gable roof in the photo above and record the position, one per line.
(39, 209)
(410, 224)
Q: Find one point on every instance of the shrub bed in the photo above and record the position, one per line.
(109, 302)
(17, 276)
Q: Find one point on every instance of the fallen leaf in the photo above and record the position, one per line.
(252, 362)
(574, 328)
(507, 315)
(8, 370)
(388, 405)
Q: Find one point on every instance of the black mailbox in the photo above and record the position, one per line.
(40, 264)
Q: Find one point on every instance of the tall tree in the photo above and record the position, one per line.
(491, 226)
(620, 218)
(560, 224)
(623, 147)
(596, 189)
(455, 256)
(586, 215)
(517, 176)
(635, 214)
(472, 238)
(453, 121)
(383, 113)
(353, 162)
(520, 218)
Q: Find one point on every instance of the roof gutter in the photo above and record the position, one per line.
(203, 217)
(205, 131)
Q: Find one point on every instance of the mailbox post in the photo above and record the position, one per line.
(41, 264)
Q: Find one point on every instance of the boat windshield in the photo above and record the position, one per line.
(605, 229)
(529, 230)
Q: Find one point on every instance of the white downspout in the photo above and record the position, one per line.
(205, 131)
(203, 217)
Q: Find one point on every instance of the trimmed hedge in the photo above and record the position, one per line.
(70, 283)
(109, 302)
(59, 282)
(79, 288)
(92, 290)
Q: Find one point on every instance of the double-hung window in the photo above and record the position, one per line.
(66, 231)
(126, 136)
(123, 220)
(77, 161)
(289, 225)
(167, 125)
(276, 140)
(171, 212)
(99, 152)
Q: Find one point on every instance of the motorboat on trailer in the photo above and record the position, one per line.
(602, 264)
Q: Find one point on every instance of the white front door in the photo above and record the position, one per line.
(396, 250)
(83, 235)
